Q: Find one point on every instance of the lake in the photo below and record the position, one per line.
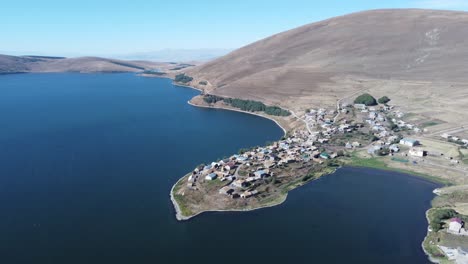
(87, 162)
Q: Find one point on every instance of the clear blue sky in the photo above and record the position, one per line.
(61, 27)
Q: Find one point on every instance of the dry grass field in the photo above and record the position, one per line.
(416, 57)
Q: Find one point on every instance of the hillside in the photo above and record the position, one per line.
(19, 64)
(411, 55)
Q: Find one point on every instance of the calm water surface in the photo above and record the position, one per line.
(87, 162)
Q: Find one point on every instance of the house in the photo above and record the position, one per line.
(455, 225)
(348, 145)
(360, 106)
(374, 149)
(394, 148)
(229, 166)
(445, 135)
(239, 183)
(226, 190)
(260, 173)
(211, 176)
(248, 194)
(409, 142)
(356, 144)
(250, 179)
(417, 152)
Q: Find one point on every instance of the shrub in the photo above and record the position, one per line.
(384, 100)
(212, 99)
(203, 83)
(182, 78)
(366, 99)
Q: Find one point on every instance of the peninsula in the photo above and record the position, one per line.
(361, 90)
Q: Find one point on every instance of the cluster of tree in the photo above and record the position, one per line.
(154, 72)
(365, 99)
(384, 100)
(182, 78)
(438, 215)
(247, 105)
(276, 111)
(255, 106)
(212, 99)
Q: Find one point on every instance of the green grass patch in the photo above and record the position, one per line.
(181, 203)
(430, 123)
(430, 246)
(379, 163)
(400, 160)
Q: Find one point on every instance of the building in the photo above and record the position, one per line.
(417, 153)
(445, 135)
(239, 183)
(324, 155)
(409, 142)
(360, 106)
(374, 149)
(455, 225)
(394, 148)
(260, 173)
(249, 194)
(211, 176)
(229, 166)
(226, 190)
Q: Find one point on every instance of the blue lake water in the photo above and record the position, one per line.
(87, 162)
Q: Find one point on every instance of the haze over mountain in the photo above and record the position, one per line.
(20, 64)
(408, 54)
(177, 55)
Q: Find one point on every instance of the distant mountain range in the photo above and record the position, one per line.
(176, 55)
(23, 64)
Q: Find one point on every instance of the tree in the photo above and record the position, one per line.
(182, 78)
(366, 99)
(384, 100)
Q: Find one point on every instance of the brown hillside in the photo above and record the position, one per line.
(409, 54)
(10, 64)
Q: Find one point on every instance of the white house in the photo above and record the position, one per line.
(455, 225)
(211, 176)
(409, 142)
(394, 148)
(417, 153)
(360, 106)
(445, 135)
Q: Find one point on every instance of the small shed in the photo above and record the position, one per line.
(211, 176)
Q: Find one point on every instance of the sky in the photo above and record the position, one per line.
(101, 27)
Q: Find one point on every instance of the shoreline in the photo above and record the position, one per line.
(240, 111)
(215, 107)
(181, 217)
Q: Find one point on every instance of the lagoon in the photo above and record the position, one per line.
(87, 162)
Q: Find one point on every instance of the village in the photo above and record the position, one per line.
(247, 179)
(262, 176)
